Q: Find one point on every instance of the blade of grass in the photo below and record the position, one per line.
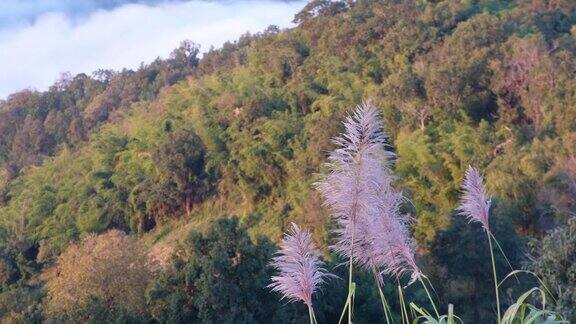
(535, 276)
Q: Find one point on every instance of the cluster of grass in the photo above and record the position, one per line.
(372, 233)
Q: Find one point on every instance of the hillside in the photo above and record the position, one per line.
(245, 130)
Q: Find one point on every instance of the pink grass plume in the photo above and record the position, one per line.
(474, 203)
(356, 166)
(365, 207)
(299, 265)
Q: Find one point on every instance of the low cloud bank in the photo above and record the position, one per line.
(34, 50)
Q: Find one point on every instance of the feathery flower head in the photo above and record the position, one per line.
(389, 247)
(357, 167)
(358, 190)
(406, 256)
(474, 203)
(300, 268)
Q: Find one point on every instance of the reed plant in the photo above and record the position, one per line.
(373, 233)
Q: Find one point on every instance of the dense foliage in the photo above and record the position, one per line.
(554, 262)
(245, 130)
(464, 268)
(99, 270)
(219, 277)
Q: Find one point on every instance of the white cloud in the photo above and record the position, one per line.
(34, 55)
(21, 11)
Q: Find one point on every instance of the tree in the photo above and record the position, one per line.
(406, 91)
(317, 8)
(182, 61)
(21, 305)
(180, 160)
(111, 268)
(524, 79)
(9, 272)
(218, 277)
(29, 142)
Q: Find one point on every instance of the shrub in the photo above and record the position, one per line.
(555, 263)
(111, 268)
(219, 277)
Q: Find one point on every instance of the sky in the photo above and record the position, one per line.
(40, 39)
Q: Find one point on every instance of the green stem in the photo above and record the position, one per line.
(403, 310)
(349, 305)
(384, 301)
(504, 255)
(432, 286)
(401, 306)
(345, 308)
(314, 316)
(429, 297)
(350, 291)
(495, 276)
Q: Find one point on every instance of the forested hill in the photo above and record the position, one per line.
(244, 131)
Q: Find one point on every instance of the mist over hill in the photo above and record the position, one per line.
(84, 36)
(16, 12)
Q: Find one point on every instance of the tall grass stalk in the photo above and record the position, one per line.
(432, 286)
(311, 315)
(429, 297)
(314, 315)
(385, 306)
(403, 310)
(300, 268)
(344, 309)
(475, 205)
(495, 276)
(505, 257)
(348, 306)
(350, 281)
